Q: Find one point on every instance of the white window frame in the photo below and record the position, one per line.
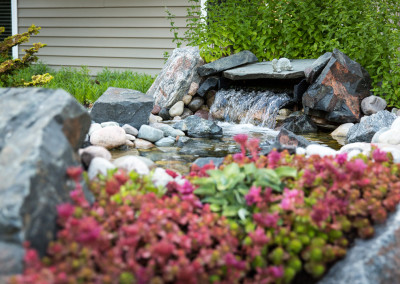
(203, 10)
(14, 25)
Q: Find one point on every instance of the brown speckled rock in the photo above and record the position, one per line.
(156, 109)
(337, 93)
(203, 113)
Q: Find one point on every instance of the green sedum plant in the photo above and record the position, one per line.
(367, 31)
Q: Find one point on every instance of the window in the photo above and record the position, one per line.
(5, 18)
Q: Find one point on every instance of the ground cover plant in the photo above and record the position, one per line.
(367, 31)
(277, 217)
(84, 87)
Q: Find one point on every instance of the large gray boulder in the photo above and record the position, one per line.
(177, 76)
(337, 93)
(371, 261)
(40, 133)
(124, 106)
(369, 125)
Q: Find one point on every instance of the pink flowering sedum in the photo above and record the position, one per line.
(279, 223)
(253, 196)
(292, 198)
(380, 156)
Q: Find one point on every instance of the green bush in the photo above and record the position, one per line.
(367, 31)
(10, 67)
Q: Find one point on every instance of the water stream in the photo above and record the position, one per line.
(241, 112)
(248, 106)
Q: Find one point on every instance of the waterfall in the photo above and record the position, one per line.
(242, 106)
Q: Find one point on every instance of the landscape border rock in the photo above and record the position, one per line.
(371, 261)
(124, 106)
(369, 125)
(40, 133)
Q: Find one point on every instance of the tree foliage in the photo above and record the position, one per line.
(367, 31)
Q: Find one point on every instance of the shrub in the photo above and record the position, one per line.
(367, 31)
(302, 220)
(9, 67)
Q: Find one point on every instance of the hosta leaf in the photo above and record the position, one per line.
(286, 172)
(203, 181)
(230, 211)
(250, 169)
(215, 208)
(243, 190)
(239, 198)
(215, 200)
(268, 178)
(231, 170)
(205, 190)
(243, 213)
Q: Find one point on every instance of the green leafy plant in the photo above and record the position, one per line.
(367, 31)
(225, 189)
(9, 67)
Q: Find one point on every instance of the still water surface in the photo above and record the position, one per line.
(180, 159)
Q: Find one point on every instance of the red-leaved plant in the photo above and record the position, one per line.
(175, 238)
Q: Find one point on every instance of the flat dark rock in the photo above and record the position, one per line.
(261, 70)
(226, 63)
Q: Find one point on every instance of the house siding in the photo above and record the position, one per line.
(118, 34)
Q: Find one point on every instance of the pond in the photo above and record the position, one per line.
(181, 158)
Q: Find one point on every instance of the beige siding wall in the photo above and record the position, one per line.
(119, 34)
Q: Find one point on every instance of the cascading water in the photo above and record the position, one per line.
(242, 106)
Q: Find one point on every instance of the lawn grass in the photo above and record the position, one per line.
(84, 87)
